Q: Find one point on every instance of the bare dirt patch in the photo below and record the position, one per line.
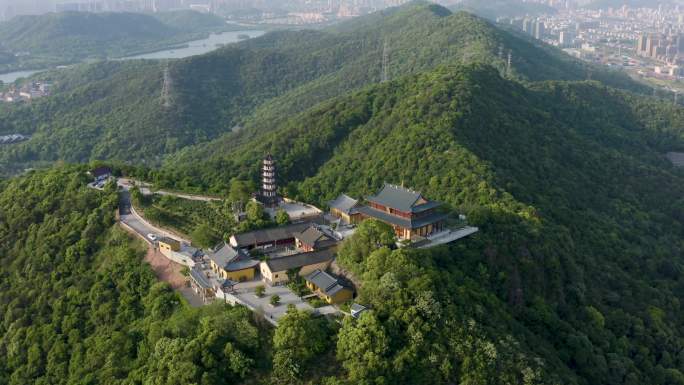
(165, 269)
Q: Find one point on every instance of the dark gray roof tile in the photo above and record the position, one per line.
(299, 260)
(344, 203)
(199, 278)
(325, 282)
(402, 199)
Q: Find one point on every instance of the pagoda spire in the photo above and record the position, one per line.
(269, 186)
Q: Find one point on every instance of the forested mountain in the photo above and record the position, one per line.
(79, 306)
(191, 21)
(259, 82)
(580, 256)
(575, 276)
(68, 37)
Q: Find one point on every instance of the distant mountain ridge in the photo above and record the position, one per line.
(418, 38)
(258, 83)
(67, 37)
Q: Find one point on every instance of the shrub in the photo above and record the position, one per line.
(260, 291)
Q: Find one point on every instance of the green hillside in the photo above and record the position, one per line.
(574, 278)
(79, 305)
(6, 57)
(258, 83)
(112, 121)
(68, 37)
(580, 255)
(191, 21)
(419, 38)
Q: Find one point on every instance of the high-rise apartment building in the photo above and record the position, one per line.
(539, 30)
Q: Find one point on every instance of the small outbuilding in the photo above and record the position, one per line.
(344, 207)
(201, 284)
(313, 239)
(328, 287)
(232, 264)
(179, 252)
(356, 310)
(167, 245)
(101, 173)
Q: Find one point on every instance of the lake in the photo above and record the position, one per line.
(197, 47)
(12, 76)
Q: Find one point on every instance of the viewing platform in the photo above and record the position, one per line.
(444, 237)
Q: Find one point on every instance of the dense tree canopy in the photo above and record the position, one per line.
(297, 343)
(578, 211)
(575, 275)
(114, 110)
(80, 307)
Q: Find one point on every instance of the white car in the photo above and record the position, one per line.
(152, 237)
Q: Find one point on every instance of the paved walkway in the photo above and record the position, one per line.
(325, 310)
(287, 297)
(449, 236)
(295, 210)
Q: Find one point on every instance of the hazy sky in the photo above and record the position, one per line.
(29, 5)
(39, 6)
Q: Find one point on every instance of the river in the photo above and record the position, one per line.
(197, 47)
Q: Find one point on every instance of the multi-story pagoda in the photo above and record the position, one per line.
(268, 195)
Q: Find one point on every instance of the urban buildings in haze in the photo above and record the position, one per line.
(306, 10)
(646, 41)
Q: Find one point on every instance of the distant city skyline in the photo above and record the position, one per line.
(11, 8)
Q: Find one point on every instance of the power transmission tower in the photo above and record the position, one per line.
(385, 61)
(508, 63)
(167, 88)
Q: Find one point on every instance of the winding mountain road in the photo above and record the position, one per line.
(129, 217)
(127, 183)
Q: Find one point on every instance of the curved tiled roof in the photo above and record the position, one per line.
(269, 235)
(298, 260)
(344, 203)
(402, 199)
(328, 284)
(315, 238)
